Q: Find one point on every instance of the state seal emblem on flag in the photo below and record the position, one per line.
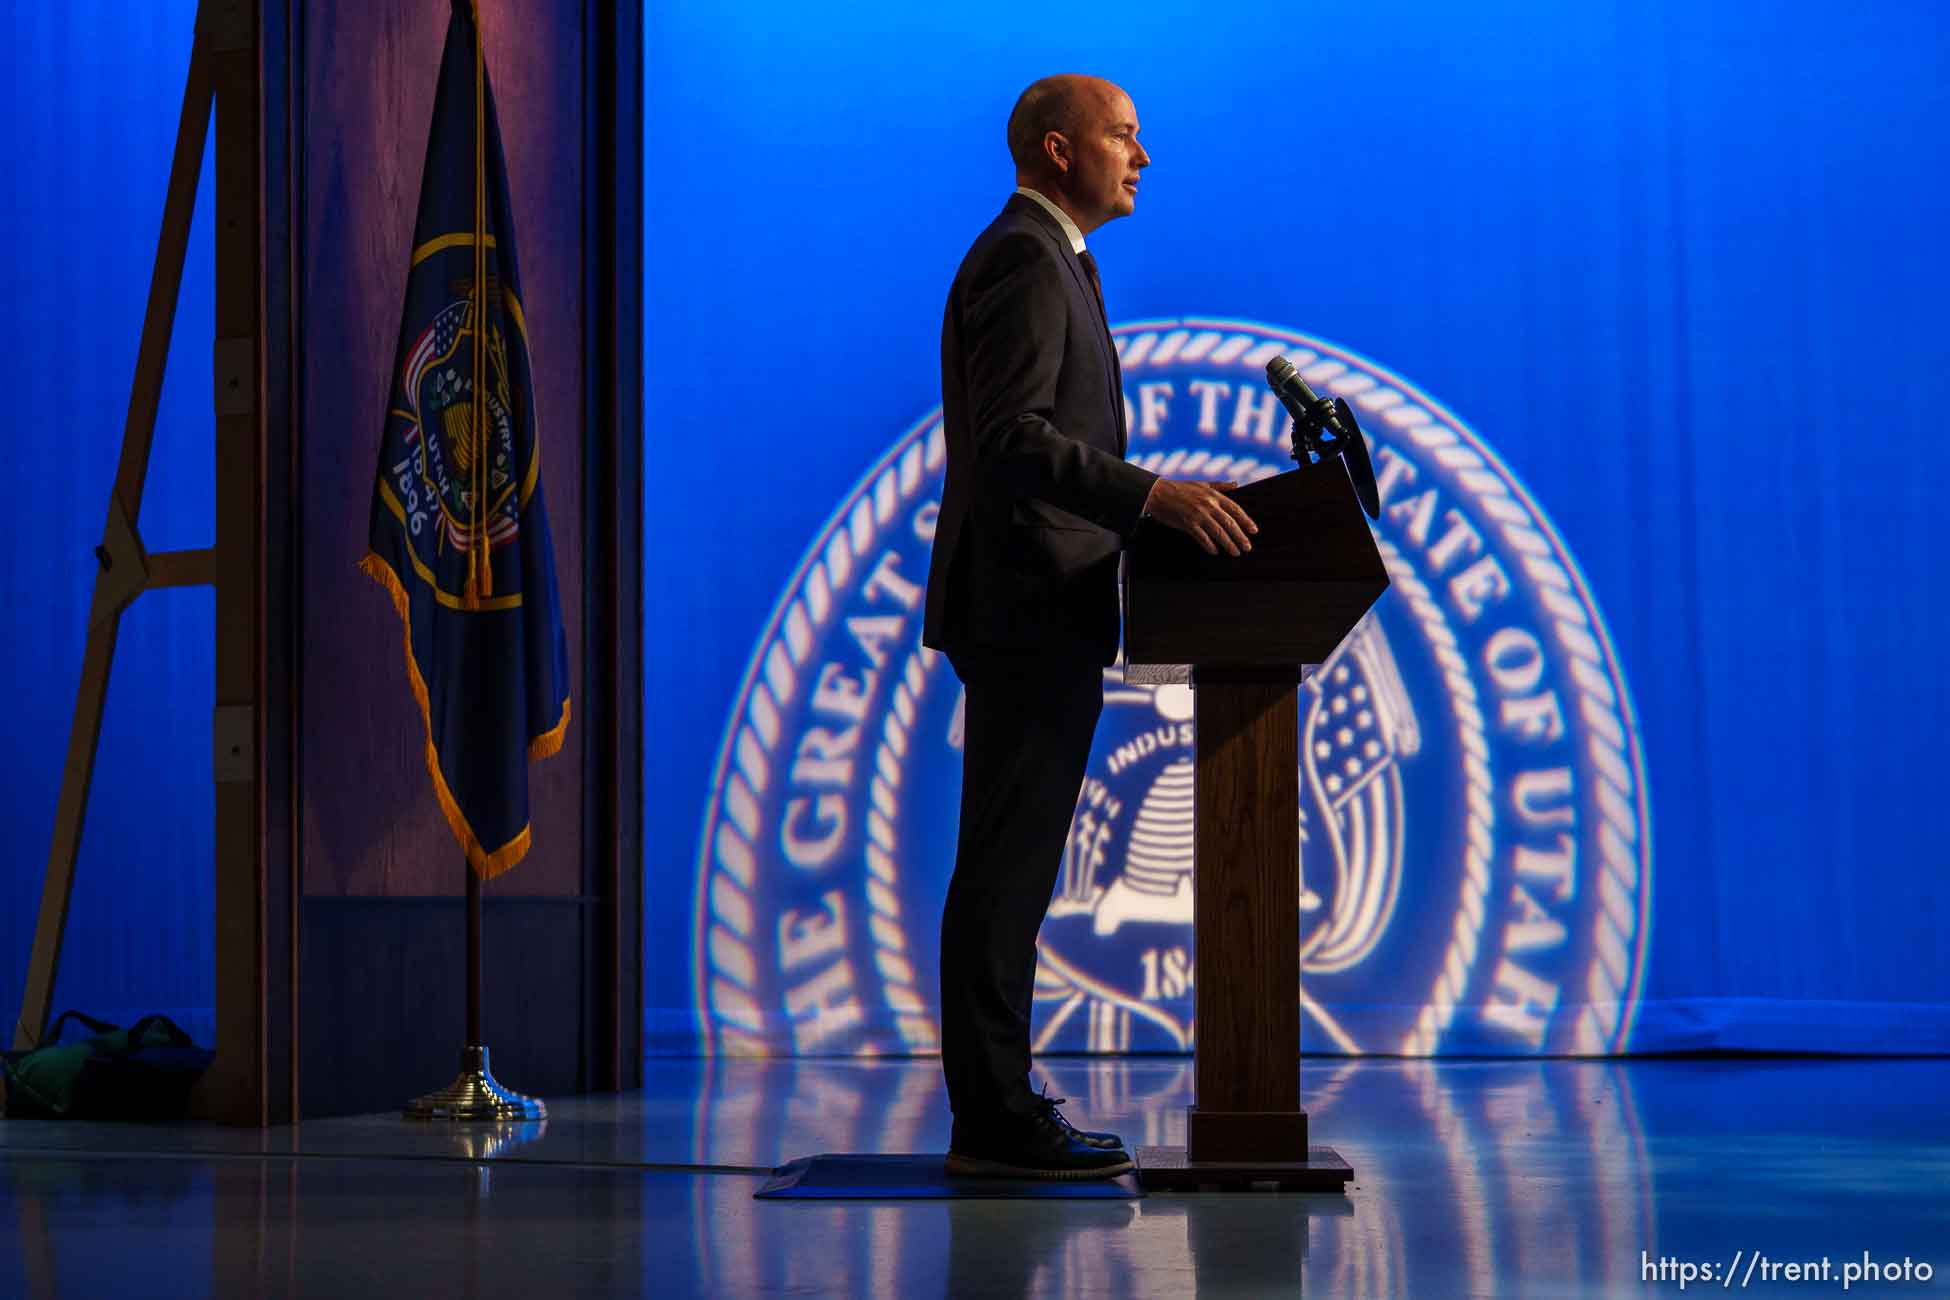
(459, 536)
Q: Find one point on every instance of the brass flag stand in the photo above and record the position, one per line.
(474, 1095)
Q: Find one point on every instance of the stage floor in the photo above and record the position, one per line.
(1473, 1178)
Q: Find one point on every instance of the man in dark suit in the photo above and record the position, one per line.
(1022, 593)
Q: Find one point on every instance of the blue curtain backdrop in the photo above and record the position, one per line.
(1678, 265)
(88, 114)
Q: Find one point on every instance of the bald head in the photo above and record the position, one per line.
(1048, 105)
(1060, 104)
(1074, 139)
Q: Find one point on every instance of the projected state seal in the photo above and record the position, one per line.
(1476, 851)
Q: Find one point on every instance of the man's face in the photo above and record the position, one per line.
(1104, 155)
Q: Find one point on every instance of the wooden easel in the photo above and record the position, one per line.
(222, 84)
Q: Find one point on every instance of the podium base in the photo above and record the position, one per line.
(1166, 1169)
(474, 1096)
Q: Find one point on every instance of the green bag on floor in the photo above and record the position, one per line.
(143, 1072)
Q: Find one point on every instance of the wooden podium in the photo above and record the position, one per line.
(1246, 627)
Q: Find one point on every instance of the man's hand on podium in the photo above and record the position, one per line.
(1214, 520)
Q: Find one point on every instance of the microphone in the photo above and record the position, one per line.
(1308, 409)
(1312, 415)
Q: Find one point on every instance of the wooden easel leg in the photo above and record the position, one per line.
(69, 813)
(113, 589)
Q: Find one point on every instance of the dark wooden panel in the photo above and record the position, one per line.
(370, 823)
(368, 97)
(384, 1001)
(281, 78)
(381, 962)
(613, 516)
(236, 1089)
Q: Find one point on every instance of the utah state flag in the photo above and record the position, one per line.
(459, 534)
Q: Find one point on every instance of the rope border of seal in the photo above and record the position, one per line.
(734, 1015)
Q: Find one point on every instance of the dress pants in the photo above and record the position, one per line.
(1025, 743)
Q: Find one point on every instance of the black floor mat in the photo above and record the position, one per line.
(923, 1177)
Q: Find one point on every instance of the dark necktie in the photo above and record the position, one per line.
(1116, 370)
(1090, 269)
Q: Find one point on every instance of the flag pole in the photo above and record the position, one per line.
(474, 1095)
(474, 1035)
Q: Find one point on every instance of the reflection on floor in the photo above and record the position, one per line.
(1472, 1178)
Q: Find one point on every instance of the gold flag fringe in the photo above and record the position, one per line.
(486, 864)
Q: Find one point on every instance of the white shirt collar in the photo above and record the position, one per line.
(1062, 217)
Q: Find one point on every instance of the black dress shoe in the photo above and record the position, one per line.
(1038, 1144)
(1106, 1141)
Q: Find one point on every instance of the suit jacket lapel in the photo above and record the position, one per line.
(1081, 279)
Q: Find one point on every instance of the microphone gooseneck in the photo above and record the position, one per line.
(1314, 415)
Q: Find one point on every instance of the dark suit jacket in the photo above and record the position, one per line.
(1039, 497)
